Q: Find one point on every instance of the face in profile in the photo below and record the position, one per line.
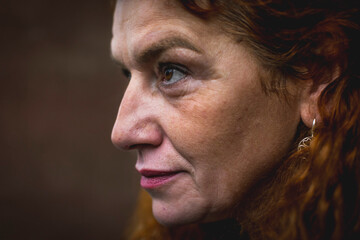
(195, 112)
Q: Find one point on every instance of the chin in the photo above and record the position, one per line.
(171, 216)
(169, 221)
(190, 212)
(174, 217)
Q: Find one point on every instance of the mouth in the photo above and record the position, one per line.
(152, 178)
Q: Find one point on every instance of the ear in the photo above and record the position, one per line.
(309, 102)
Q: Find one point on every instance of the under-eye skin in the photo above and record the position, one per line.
(170, 74)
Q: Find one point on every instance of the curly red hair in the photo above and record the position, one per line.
(315, 193)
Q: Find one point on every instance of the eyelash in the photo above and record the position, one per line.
(163, 67)
(126, 73)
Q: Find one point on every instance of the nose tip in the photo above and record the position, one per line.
(135, 135)
(118, 140)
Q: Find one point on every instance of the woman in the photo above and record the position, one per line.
(220, 96)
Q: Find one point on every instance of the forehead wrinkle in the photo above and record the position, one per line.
(154, 50)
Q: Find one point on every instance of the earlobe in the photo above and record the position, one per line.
(309, 104)
(310, 96)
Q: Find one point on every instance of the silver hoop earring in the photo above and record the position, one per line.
(306, 141)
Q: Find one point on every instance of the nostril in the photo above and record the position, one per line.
(126, 147)
(132, 147)
(138, 146)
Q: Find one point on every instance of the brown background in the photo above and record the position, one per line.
(60, 176)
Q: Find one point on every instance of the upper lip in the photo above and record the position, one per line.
(155, 173)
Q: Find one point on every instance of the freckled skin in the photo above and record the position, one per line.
(223, 131)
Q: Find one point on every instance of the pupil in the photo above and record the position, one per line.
(168, 74)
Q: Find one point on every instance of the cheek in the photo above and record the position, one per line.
(209, 137)
(205, 129)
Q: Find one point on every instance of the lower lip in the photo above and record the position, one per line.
(157, 181)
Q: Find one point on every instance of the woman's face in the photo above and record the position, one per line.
(194, 110)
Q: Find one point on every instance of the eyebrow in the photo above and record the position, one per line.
(158, 48)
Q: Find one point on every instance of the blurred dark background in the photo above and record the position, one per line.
(60, 176)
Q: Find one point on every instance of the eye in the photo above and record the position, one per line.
(171, 74)
(126, 73)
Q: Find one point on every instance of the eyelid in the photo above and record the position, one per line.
(163, 65)
(178, 87)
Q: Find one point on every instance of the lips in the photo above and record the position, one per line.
(152, 178)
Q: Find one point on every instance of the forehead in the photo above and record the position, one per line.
(138, 23)
(134, 16)
(128, 9)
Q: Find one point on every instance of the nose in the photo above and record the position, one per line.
(137, 123)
